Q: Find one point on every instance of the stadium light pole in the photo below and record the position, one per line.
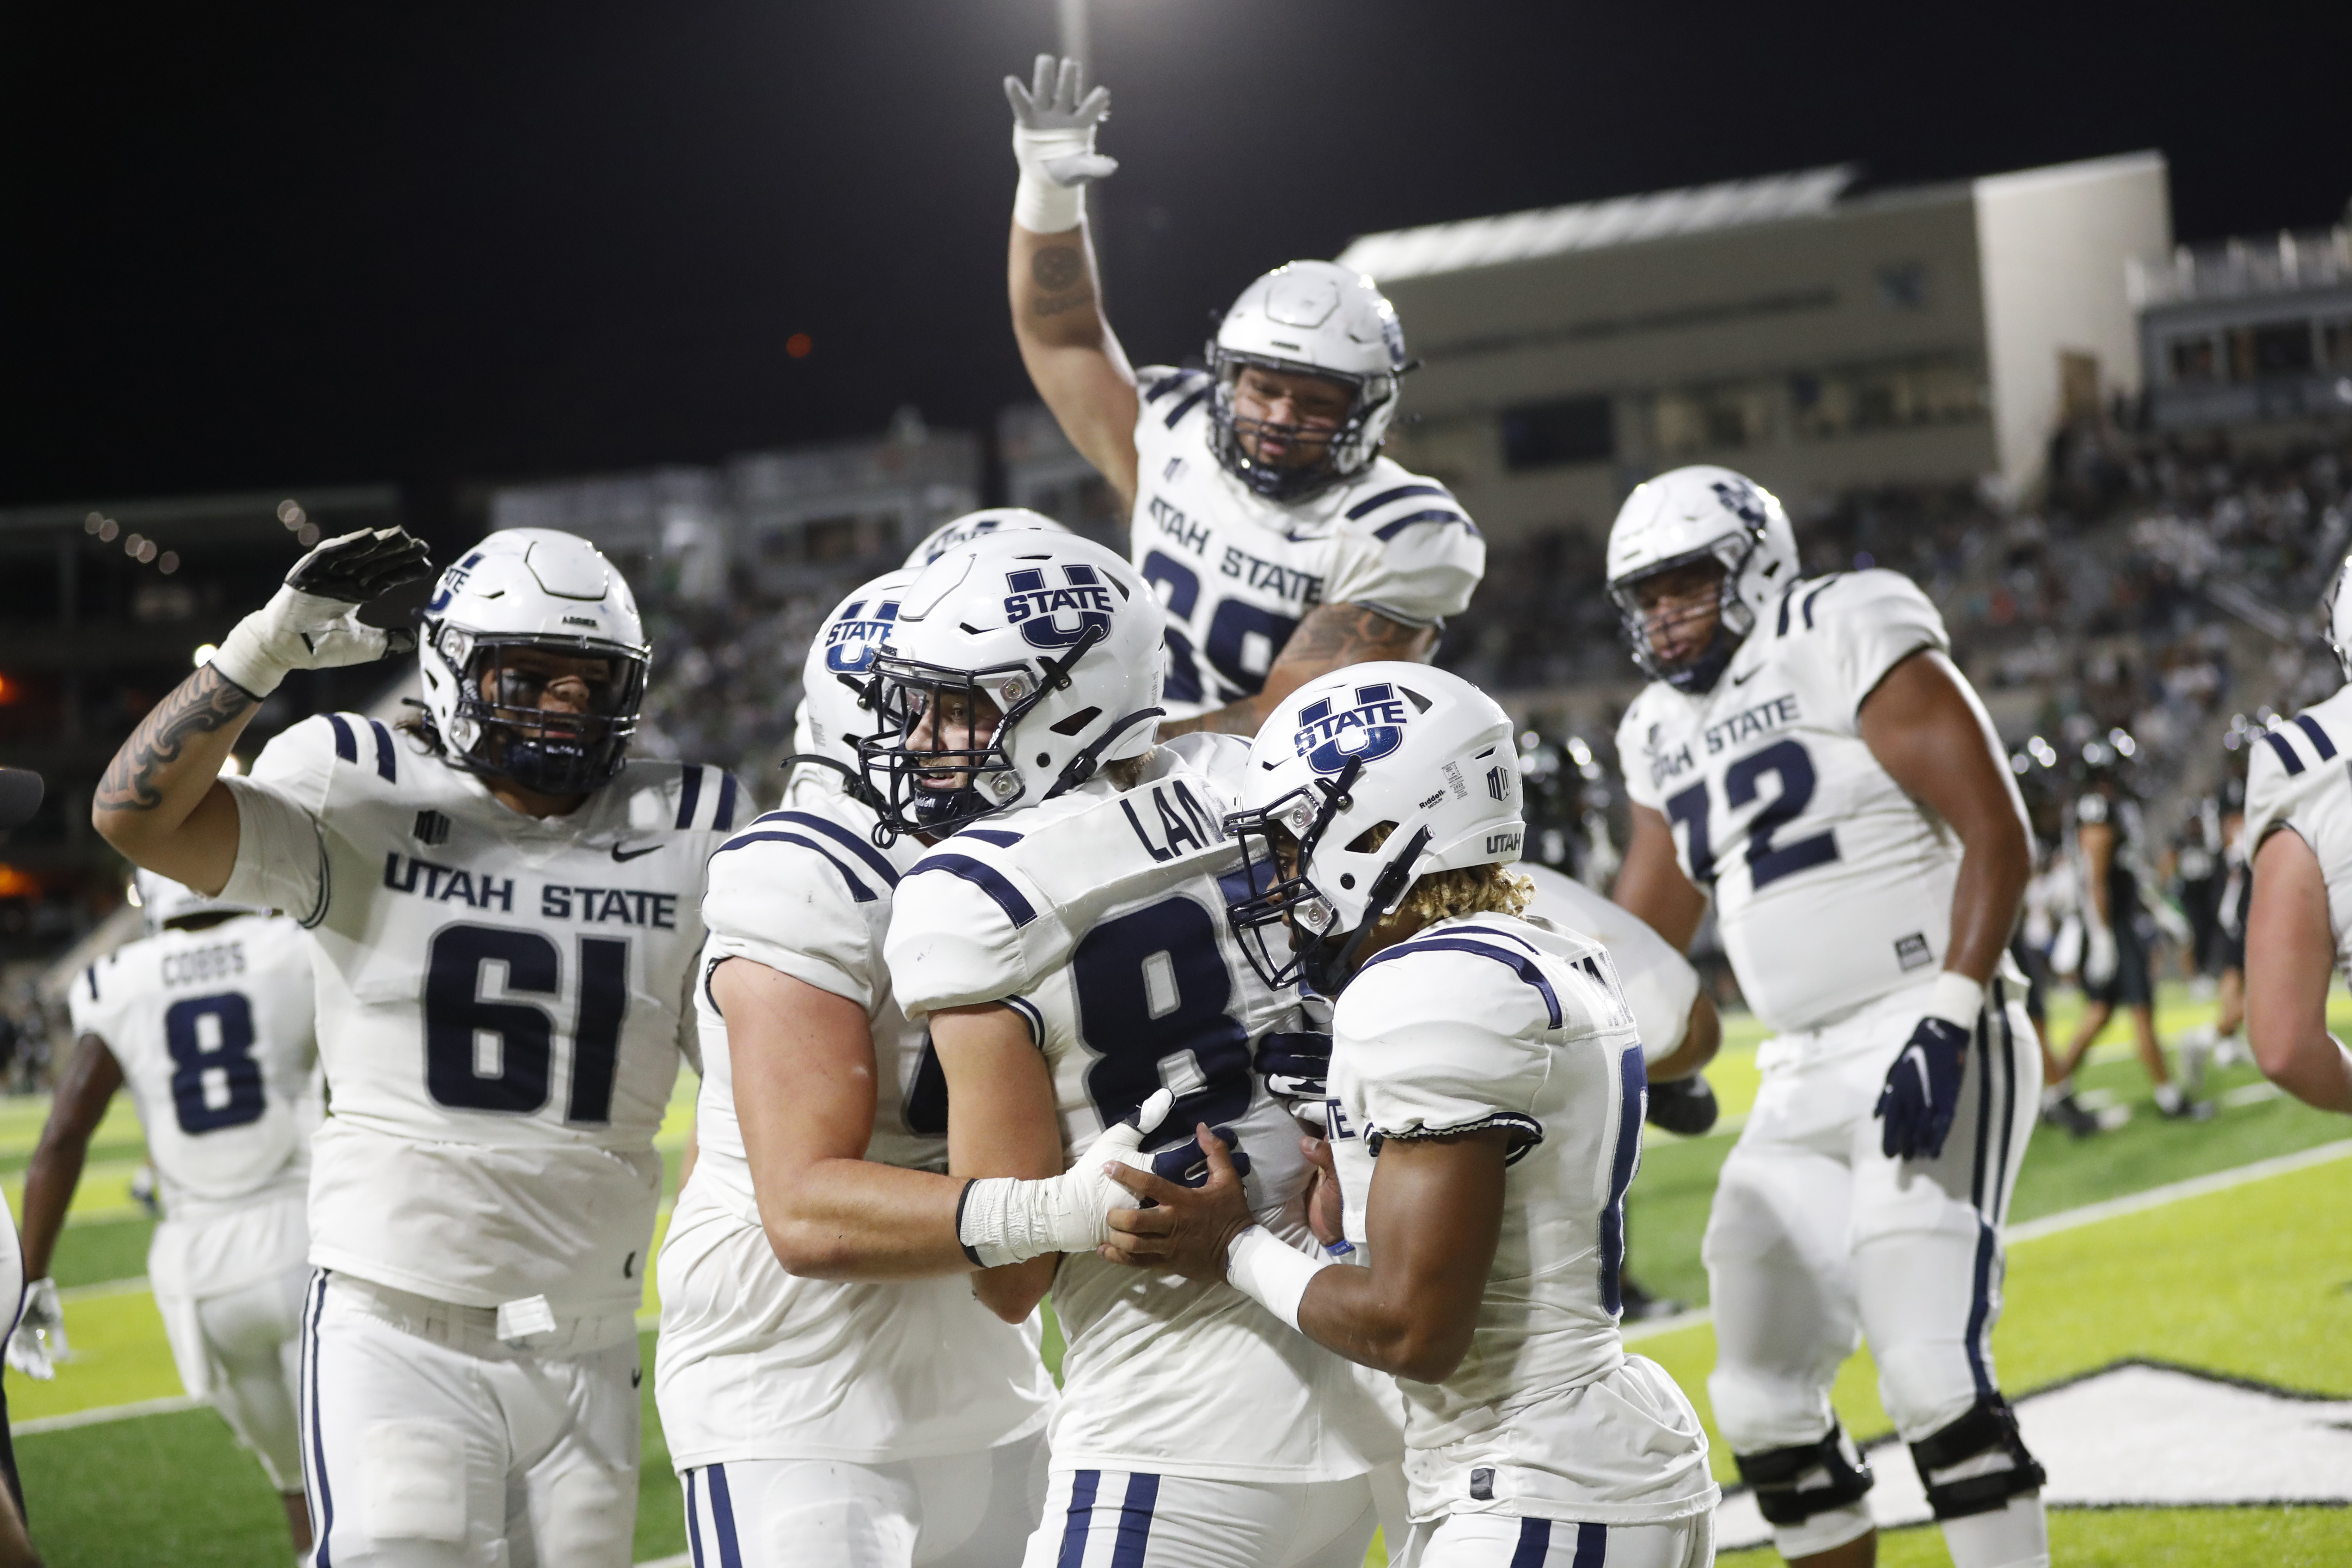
(1076, 40)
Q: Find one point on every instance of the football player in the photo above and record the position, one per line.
(2116, 970)
(207, 1021)
(2217, 1044)
(1066, 949)
(1262, 512)
(1491, 1064)
(2299, 927)
(832, 1393)
(1807, 754)
(506, 910)
(959, 531)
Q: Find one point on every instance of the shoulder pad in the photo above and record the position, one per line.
(1387, 501)
(700, 795)
(2287, 763)
(1165, 394)
(327, 743)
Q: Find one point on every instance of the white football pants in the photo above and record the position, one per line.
(1499, 1540)
(1817, 1240)
(427, 1442)
(957, 1510)
(1121, 1519)
(242, 1352)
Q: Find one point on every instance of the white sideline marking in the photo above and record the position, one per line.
(130, 1287)
(105, 1414)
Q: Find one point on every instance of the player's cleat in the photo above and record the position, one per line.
(2061, 1109)
(2174, 1106)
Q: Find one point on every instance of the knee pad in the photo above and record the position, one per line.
(1794, 1484)
(1981, 1458)
(588, 1519)
(415, 1481)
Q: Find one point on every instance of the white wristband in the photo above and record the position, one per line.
(1271, 1272)
(1040, 204)
(1956, 999)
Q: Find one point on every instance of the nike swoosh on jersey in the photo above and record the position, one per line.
(1743, 680)
(624, 854)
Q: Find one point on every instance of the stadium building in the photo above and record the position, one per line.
(2248, 332)
(1818, 335)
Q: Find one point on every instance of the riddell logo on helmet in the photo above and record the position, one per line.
(1040, 611)
(1371, 730)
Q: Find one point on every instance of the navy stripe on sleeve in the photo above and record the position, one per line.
(2278, 742)
(2319, 740)
(987, 878)
(1399, 493)
(1813, 595)
(1390, 530)
(1176, 415)
(691, 778)
(857, 889)
(347, 745)
(1162, 387)
(875, 861)
(385, 768)
(91, 974)
(1526, 968)
(996, 835)
(724, 818)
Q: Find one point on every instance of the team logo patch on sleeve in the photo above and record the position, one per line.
(1044, 613)
(1371, 730)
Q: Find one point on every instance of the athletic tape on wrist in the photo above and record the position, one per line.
(1271, 1272)
(1041, 206)
(1956, 999)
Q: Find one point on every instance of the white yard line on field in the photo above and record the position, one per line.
(98, 1417)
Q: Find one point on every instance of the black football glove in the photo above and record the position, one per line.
(1923, 1091)
(1684, 1106)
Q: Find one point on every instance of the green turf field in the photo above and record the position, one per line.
(2254, 1281)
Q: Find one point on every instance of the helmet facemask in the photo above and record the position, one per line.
(1347, 448)
(914, 784)
(1734, 617)
(503, 727)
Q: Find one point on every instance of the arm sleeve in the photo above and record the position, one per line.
(1874, 619)
(1437, 1042)
(1421, 573)
(794, 910)
(281, 848)
(953, 942)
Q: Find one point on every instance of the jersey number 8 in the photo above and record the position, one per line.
(209, 1036)
(456, 1018)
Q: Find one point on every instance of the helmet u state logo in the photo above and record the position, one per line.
(452, 581)
(1369, 730)
(1056, 617)
(1742, 500)
(851, 641)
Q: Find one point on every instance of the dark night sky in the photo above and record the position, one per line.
(253, 246)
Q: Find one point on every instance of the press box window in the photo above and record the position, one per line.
(1548, 435)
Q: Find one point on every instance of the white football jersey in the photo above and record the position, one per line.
(753, 1363)
(2299, 775)
(503, 1001)
(1658, 984)
(1832, 886)
(1101, 919)
(212, 1031)
(1239, 572)
(1489, 1022)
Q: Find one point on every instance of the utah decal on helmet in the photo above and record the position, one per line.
(525, 610)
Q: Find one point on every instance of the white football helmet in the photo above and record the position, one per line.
(1056, 635)
(532, 588)
(1419, 750)
(2336, 609)
(836, 681)
(161, 900)
(1319, 318)
(974, 525)
(1687, 515)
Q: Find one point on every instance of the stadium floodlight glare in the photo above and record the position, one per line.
(204, 654)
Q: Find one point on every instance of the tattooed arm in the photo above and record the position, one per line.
(162, 801)
(1331, 638)
(1074, 358)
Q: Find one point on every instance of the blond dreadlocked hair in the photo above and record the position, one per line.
(1488, 890)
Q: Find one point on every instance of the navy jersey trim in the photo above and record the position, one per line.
(90, 974)
(1520, 964)
(2287, 759)
(691, 796)
(1388, 530)
(857, 889)
(1529, 1131)
(385, 768)
(347, 745)
(987, 878)
(1816, 594)
(724, 817)
(1167, 383)
(996, 835)
(1363, 507)
(875, 861)
(1176, 415)
(2319, 740)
